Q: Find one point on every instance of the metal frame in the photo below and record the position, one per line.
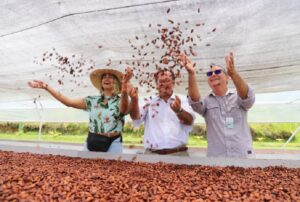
(40, 114)
(290, 138)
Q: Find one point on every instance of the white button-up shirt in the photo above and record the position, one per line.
(163, 128)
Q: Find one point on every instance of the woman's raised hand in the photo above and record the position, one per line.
(37, 84)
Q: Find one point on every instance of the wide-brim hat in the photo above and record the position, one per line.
(97, 74)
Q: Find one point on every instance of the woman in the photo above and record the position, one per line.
(106, 111)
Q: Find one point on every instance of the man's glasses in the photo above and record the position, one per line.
(210, 73)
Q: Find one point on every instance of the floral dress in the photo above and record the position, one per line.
(104, 114)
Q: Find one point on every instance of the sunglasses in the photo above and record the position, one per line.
(210, 73)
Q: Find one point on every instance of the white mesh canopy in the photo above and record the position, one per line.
(263, 35)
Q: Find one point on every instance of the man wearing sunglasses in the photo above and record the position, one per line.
(224, 111)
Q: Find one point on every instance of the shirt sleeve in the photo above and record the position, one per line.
(198, 106)
(88, 103)
(143, 113)
(249, 101)
(185, 105)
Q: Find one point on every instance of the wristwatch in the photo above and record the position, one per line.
(179, 111)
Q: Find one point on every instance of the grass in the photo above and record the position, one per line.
(32, 136)
(276, 145)
(133, 139)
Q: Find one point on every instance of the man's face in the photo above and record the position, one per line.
(165, 83)
(217, 78)
(108, 81)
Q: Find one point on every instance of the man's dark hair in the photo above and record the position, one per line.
(163, 71)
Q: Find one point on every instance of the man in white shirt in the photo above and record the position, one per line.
(167, 119)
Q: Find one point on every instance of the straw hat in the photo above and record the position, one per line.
(97, 74)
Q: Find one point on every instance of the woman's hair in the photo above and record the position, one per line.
(117, 84)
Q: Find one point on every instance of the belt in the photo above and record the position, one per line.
(169, 151)
(112, 134)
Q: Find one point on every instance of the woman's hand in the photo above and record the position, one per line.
(37, 84)
(128, 75)
(126, 86)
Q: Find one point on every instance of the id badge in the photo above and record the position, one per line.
(229, 122)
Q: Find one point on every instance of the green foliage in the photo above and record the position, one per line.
(129, 128)
(66, 128)
(260, 132)
(21, 126)
(273, 131)
(54, 133)
(199, 130)
(31, 127)
(49, 128)
(9, 127)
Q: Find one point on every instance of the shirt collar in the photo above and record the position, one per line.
(229, 92)
(113, 97)
(157, 98)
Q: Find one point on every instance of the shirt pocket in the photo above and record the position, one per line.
(213, 111)
(236, 111)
